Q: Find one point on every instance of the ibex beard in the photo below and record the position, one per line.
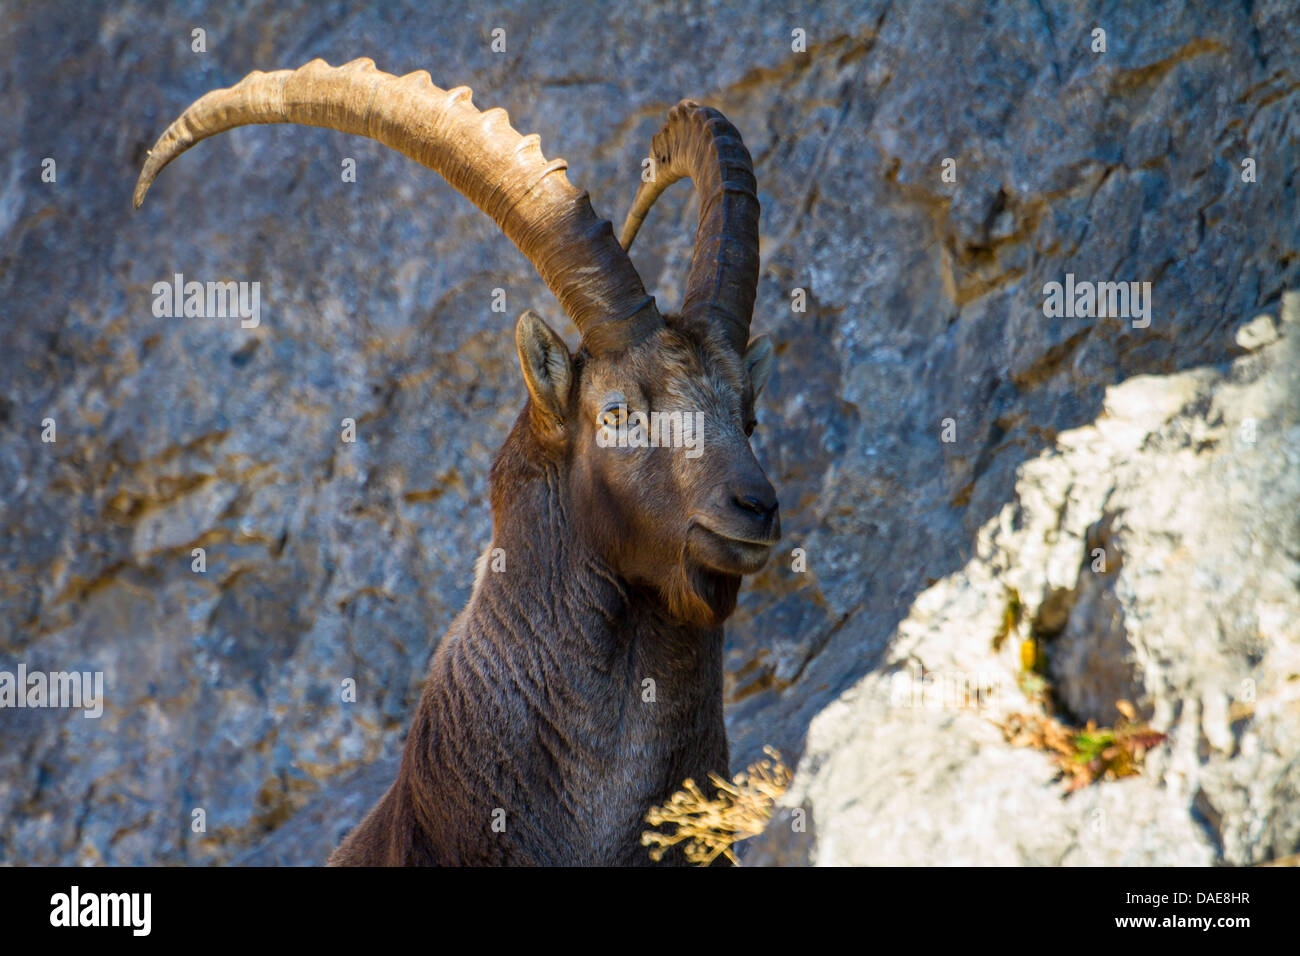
(583, 681)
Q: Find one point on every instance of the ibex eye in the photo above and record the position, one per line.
(614, 416)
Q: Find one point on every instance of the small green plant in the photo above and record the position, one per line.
(1092, 753)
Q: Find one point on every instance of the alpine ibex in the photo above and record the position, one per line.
(621, 563)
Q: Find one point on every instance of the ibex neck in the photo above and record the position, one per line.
(541, 581)
(568, 615)
(563, 698)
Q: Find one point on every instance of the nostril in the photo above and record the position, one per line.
(755, 504)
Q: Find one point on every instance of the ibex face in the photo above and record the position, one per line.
(689, 513)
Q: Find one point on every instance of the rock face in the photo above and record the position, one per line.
(937, 440)
(1161, 544)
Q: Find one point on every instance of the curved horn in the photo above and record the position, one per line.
(478, 153)
(700, 143)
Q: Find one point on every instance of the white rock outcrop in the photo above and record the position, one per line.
(1157, 553)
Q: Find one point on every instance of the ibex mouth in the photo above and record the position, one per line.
(730, 555)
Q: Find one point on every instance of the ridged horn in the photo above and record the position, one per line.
(479, 153)
(700, 143)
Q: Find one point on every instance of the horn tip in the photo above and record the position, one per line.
(141, 187)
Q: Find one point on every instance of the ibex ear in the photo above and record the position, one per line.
(759, 361)
(548, 369)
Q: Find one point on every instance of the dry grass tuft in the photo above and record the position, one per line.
(707, 828)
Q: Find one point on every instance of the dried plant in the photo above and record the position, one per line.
(1087, 755)
(708, 827)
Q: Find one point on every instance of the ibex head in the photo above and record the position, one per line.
(686, 520)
